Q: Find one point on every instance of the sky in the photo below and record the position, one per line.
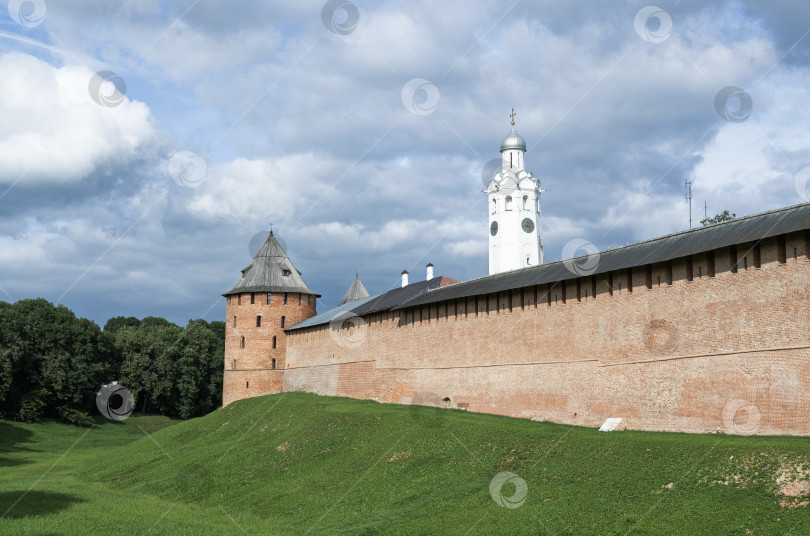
(146, 147)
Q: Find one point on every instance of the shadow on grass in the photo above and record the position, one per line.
(18, 504)
(11, 439)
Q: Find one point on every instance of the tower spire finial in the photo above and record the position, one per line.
(512, 116)
(271, 227)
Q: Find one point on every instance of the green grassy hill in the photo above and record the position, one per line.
(299, 463)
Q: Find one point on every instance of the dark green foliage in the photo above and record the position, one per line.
(116, 324)
(53, 364)
(175, 371)
(723, 216)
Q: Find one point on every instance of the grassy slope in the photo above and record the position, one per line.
(296, 462)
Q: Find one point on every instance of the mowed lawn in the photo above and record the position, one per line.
(297, 463)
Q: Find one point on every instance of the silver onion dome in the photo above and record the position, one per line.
(513, 141)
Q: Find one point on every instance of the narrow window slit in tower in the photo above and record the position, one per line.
(807, 244)
(732, 259)
(781, 249)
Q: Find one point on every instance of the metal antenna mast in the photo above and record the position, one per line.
(688, 184)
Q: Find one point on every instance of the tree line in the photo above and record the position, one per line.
(53, 364)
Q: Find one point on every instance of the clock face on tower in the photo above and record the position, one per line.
(527, 225)
(493, 229)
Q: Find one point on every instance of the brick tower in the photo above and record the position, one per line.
(269, 297)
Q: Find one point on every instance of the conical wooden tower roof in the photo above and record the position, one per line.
(271, 271)
(356, 292)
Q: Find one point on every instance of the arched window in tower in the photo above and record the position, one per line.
(243, 342)
(508, 202)
(525, 202)
(274, 341)
(258, 321)
(282, 321)
(494, 206)
(273, 363)
(234, 320)
(268, 298)
(285, 298)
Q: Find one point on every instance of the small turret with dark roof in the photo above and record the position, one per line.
(356, 292)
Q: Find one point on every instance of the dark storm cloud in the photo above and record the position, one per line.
(307, 128)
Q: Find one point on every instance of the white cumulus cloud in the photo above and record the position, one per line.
(51, 128)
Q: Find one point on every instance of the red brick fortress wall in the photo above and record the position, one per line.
(249, 369)
(725, 346)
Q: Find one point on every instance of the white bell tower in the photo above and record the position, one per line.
(513, 196)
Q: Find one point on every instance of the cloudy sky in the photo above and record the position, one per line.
(144, 145)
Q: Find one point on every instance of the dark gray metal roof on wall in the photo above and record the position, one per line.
(339, 313)
(665, 248)
(386, 301)
(691, 242)
(271, 271)
(398, 297)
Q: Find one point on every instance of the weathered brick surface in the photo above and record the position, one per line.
(253, 364)
(729, 352)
